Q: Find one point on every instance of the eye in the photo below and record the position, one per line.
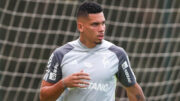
(103, 23)
(95, 24)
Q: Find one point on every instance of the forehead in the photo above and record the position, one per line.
(96, 17)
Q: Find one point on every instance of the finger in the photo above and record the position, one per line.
(84, 77)
(81, 74)
(81, 82)
(83, 86)
(80, 85)
(81, 77)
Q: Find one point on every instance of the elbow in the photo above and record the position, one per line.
(135, 93)
(44, 96)
(143, 98)
(41, 97)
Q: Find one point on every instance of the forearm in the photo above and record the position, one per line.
(51, 93)
(135, 93)
(136, 97)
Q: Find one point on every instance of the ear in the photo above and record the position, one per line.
(80, 26)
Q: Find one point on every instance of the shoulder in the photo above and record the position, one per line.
(62, 50)
(119, 51)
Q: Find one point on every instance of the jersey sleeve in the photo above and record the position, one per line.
(53, 70)
(125, 74)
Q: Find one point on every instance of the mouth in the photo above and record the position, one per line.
(100, 37)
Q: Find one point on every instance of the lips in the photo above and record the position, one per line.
(100, 37)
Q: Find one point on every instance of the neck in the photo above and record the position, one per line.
(87, 43)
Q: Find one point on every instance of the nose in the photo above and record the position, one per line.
(102, 27)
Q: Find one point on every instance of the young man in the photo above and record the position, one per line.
(85, 69)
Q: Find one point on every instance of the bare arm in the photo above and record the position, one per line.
(50, 92)
(135, 93)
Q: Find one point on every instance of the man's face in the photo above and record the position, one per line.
(92, 28)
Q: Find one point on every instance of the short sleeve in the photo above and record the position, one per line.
(53, 71)
(125, 74)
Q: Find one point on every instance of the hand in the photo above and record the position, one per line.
(77, 80)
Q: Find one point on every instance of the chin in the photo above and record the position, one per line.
(99, 42)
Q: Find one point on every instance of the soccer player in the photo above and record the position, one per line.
(86, 69)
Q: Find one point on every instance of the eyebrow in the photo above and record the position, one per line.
(97, 22)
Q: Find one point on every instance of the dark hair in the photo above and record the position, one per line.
(89, 7)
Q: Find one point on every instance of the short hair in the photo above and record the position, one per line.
(89, 7)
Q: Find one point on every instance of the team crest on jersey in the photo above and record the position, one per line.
(105, 61)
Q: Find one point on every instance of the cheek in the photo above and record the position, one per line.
(91, 32)
(94, 31)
